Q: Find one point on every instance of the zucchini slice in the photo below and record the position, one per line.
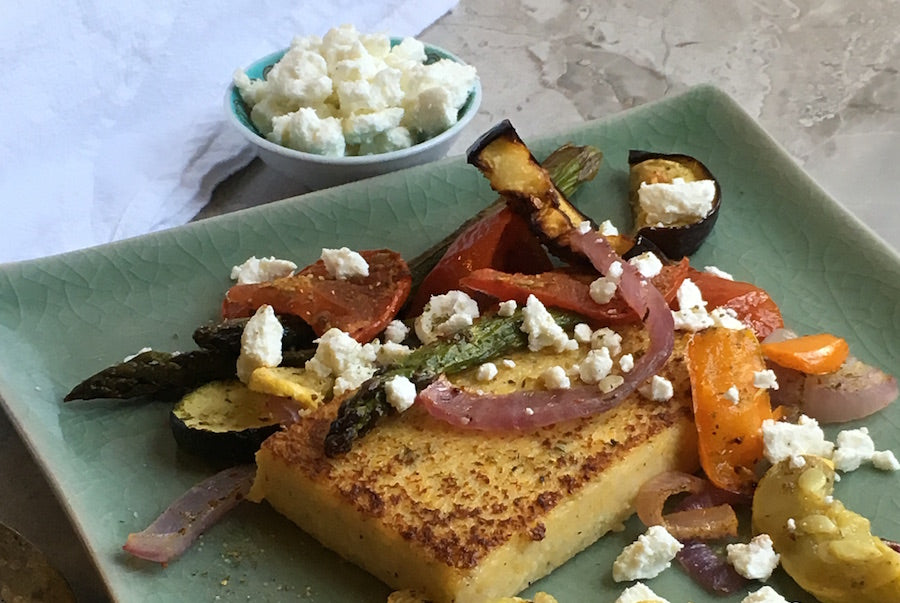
(223, 421)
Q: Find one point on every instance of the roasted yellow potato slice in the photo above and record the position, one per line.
(826, 548)
(306, 387)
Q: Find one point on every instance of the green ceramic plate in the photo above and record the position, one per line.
(116, 466)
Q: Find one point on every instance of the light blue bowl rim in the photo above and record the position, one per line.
(238, 114)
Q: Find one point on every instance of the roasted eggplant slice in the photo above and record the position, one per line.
(680, 234)
(569, 167)
(513, 172)
(223, 421)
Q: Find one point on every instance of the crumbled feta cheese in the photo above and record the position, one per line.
(639, 593)
(400, 392)
(791, 524)
(755, 560)
(260, 270)
(852, 448)
(765, 379)
(352, 93)
(584, 227)
(486, 372)
(885, 460)
(691, 314)
(445, 315)
(646, 557)
(363, 127)
(766, 594)
(718, 272)
(733, 395)
(260, 342)
(608, 229)
(604, 288)
(555, 377)
(595, 366)
(726, 318)
(626, 363)
(304, 130)
(647, 264)
(349, 361)
(582, 332)
(783, 440)
(509, 363)
(390, 352)
(507, 308)
(542, 330)
(676, 202)
(610, 382)
(659, 389)
(395, 332)
(798, 462)
(605, 337)
(344, 263)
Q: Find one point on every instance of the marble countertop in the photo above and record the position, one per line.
(821, 76)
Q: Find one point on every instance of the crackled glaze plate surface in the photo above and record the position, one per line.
(116, 466)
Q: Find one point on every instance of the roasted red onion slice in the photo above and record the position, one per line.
(529, 410)
(710, 569)
(189, 516)
(704, 519)
(854, 391)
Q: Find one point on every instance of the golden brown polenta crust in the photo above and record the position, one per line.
(457, 495)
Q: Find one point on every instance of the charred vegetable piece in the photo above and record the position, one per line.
(826, 548)
(569, 289)
(569, 167)
(360, 306)
(679, 234)
(488, 338)
(167, 376)
(753, 305)
(501, 240)
(156, 374)
(815, 354)
(223, 421)
(225, 336)
(729, 409)
(513, 172)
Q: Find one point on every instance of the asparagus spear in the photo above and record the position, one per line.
(489, 337)
(167, 376)
(569, 167)
(152, 373)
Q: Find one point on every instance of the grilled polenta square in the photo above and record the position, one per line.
(466, 516)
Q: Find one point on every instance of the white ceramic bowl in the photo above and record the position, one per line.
(318, 171)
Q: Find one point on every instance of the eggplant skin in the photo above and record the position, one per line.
(222, 422)
(674, 241)
(511, 169)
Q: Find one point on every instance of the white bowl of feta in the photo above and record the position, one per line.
(346, 106)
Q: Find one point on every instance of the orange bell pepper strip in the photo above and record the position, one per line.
(721, 363)
(811, 354)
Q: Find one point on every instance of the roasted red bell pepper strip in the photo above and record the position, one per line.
(753, 305)
(501, 240)
(360, 306)
(569, 289)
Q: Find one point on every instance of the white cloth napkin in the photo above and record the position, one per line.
(113, 111)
